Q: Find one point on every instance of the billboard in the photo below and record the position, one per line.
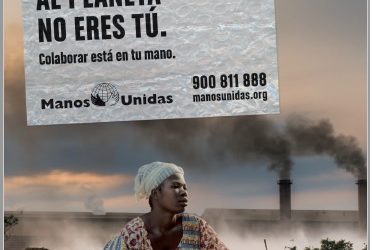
(98, 61)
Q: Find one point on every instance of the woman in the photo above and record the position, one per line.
(166, 227)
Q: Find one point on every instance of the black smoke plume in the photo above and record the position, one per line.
(221, 141)
(318, 138)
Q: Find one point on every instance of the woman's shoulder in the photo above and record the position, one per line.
(192, 222)
(196, 223)
(129, 236)
(133, 226)
(198, 226)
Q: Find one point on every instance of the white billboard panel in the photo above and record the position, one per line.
(118, 60)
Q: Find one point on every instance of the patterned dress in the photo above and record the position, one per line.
(197, 235)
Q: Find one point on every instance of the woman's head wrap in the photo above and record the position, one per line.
(151, 175)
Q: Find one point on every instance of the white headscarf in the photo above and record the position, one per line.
(151, 175)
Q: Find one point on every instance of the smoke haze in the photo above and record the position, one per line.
(68, 235)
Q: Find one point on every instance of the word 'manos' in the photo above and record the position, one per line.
(97, 27)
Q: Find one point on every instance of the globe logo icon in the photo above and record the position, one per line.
(104, 93)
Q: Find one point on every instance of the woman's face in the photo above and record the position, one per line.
(172, 195)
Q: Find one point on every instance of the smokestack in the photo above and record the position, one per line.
(362, 204)
(285, 199)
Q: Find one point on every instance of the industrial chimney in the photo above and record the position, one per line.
(285, 199)
(362, 204)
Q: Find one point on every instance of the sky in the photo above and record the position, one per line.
(322, 62)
